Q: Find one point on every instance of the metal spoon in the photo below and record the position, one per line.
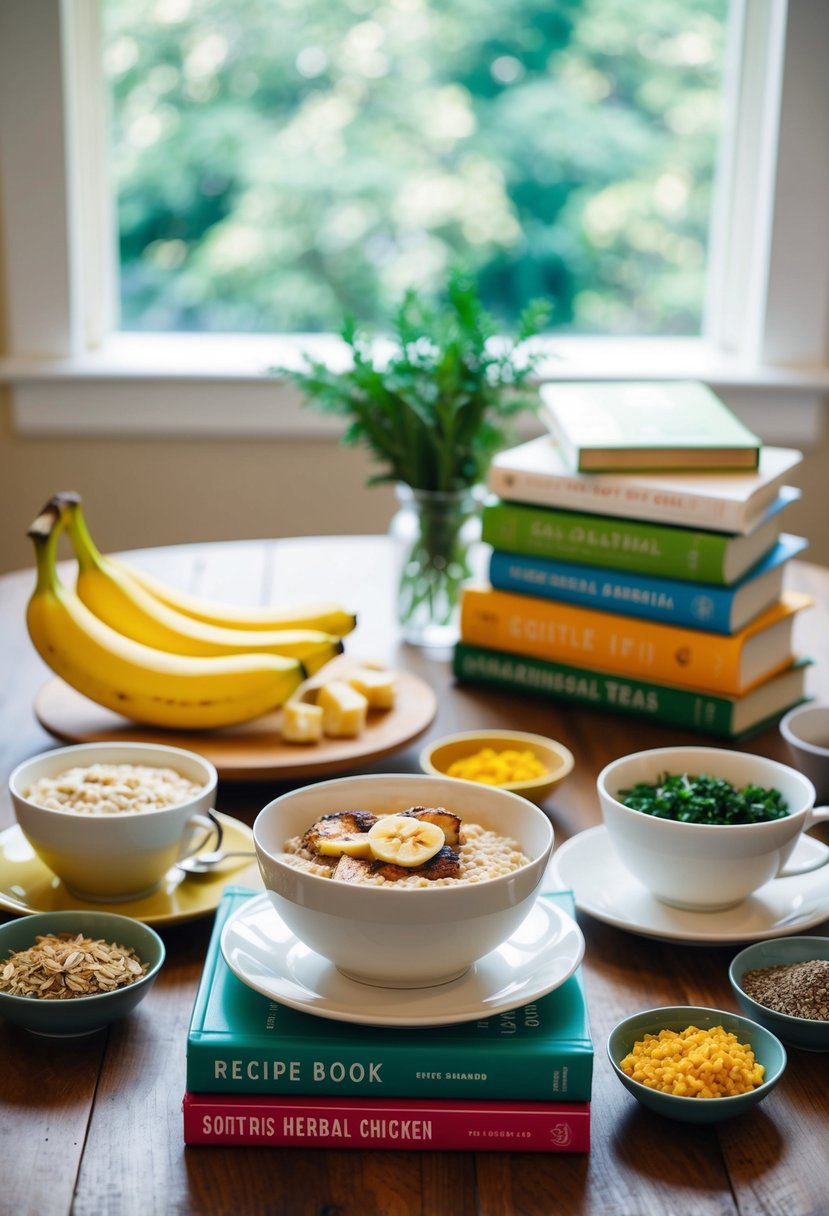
(202, 863)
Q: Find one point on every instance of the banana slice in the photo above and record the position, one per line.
(404, 841)
(353, 844)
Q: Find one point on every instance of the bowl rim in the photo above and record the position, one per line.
(65, 916)
(78, 749)
(751, 1026)
(788, 1019)
(447, 893)
(546, 742)
(797, 711)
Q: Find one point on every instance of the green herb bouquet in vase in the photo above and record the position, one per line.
(432, 412)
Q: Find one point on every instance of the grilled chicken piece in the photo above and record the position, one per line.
(449, 824)
(332, 827)
(352, 869)
(444, 864)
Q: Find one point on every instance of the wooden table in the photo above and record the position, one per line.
(93, 1126)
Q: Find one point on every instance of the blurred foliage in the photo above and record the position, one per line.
(280, 163)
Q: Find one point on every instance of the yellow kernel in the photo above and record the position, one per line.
(694, 1063)
(498, 768)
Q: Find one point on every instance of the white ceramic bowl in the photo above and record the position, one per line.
(806, 731)
(705, 867)
(401, 937)
(119, 856)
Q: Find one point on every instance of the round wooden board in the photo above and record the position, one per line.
(253, 750)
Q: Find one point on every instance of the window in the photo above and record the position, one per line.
(279, 163)
(764, 324)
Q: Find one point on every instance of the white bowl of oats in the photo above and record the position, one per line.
(110, 819)
(402, 880)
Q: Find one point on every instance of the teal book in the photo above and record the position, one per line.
(722, 716)
(616, 425)
(241, 1042)
(656, 549)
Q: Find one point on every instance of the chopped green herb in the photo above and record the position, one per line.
(704, 799)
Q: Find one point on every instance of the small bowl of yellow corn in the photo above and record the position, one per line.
(526, 764)
(695, 1064)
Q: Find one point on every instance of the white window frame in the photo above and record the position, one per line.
(766, 339)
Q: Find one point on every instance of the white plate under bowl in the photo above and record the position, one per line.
(263, 953)
(589, 866)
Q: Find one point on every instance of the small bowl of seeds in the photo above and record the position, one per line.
(70, 973)
(783, 984)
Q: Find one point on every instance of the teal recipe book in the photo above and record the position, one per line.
(240, 1041)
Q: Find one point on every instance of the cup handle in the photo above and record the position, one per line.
(213, 827)
(818, 813)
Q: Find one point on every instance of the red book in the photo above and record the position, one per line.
(387, 1123)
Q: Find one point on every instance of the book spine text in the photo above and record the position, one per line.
(607, 641)
(506, 1127)
(618, 544)
(560, 682)
(698, 606)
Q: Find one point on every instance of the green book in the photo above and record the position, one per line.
(240, 1041)
(661, 550)
(711, 713)
(611, 426)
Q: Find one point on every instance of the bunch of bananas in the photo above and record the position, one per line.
(160, 657)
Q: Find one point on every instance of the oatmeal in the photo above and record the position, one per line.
(338, 846)
(59, 966)
(107, 789)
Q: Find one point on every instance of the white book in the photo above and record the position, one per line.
(536, 472)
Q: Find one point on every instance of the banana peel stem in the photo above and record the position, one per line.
(45, 533)
(86, 551)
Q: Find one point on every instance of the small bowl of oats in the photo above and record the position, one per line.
(402, 880)
(110, 819)
(70, 973)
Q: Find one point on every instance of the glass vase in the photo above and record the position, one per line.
(438, 537)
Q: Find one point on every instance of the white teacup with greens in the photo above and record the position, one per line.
(707, 866)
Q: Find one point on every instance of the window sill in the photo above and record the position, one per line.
(220, 385)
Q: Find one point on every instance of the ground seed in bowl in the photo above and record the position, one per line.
(60, 966)
(800, 990)
(106, 789)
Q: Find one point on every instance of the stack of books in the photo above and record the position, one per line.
(657, 593)
(262, 1073)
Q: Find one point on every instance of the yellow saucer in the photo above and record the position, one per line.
(27, 885)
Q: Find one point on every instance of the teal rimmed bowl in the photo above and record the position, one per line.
(79, 1015)
(767, 1048)
(810, 1034)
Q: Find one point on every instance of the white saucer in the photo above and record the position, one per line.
(602, 887)
(263, 953)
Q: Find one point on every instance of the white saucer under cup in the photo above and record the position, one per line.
(588, 865)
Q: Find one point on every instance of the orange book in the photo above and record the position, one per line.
(612, 642)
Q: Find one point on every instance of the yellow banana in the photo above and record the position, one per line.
(142, 683)
(325, 615)
(108, 590)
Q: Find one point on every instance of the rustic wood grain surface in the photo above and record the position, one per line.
(92, 1126)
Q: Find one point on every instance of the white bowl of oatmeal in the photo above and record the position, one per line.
(110, 819)
(402, 925)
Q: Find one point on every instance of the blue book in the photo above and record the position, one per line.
(701, 606)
